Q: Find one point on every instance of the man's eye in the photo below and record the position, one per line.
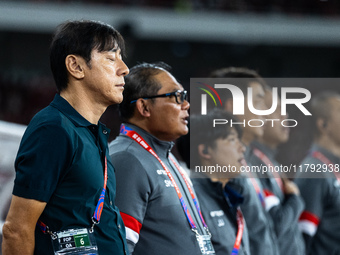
(231, 139)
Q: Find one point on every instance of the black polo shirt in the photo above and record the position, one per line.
(61, 162)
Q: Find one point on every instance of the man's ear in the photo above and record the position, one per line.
(204, 151)
(228, 105)
(143, 107)
(75, 66)
(321, 125)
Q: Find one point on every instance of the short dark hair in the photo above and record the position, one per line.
(321, 107)
(140, 83)
(80, 38)
(201, 127)
(234, 75)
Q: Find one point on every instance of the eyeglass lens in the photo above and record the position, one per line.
(181, 96)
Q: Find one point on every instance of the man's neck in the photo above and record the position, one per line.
(91, 111)
(144, 124)
(224, 181)
(246, 140)
(329, 144)
(269, 144)
(207, 163)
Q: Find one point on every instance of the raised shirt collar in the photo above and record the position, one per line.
(334, 159)
(162, 148)
(77, 119)
(265, 149)
(233, 197)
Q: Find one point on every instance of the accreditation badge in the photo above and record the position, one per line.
(204, 242)
(74, 242)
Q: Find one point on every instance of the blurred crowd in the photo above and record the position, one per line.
(300, 7)
(17, 94)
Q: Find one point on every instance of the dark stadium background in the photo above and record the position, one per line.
(278, 38)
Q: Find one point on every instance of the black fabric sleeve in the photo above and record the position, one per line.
(43, 158)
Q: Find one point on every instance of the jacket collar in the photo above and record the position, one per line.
(334, 159)
(162, 148)
(265, 149)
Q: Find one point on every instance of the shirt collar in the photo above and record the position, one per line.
(78, 120)
(62, 105)
(162, 148)
(264, 148)
(232, 196)
(247, 153)
(334, 159)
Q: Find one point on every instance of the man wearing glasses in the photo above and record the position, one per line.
(156, 198)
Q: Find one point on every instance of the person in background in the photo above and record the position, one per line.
(156, 198)
(319, 177)
(261, 232)
(219, 147)
(65, 182)
(282, 197)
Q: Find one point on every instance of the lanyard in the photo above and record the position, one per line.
(99, 208)
(268, 162)
(137, 138)
(240, 226)
(257, 189)
(97, 213)
(318, 155)
(255, 185)
(190, 190)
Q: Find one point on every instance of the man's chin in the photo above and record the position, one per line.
(185, 131)
(118, 100)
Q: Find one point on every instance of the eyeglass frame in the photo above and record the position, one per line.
(181, 92)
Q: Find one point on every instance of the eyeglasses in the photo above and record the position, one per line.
(179, 95)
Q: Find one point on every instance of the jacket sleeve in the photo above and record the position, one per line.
(133, 191)
(313, 192)
(261, 237)
(284, 213)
